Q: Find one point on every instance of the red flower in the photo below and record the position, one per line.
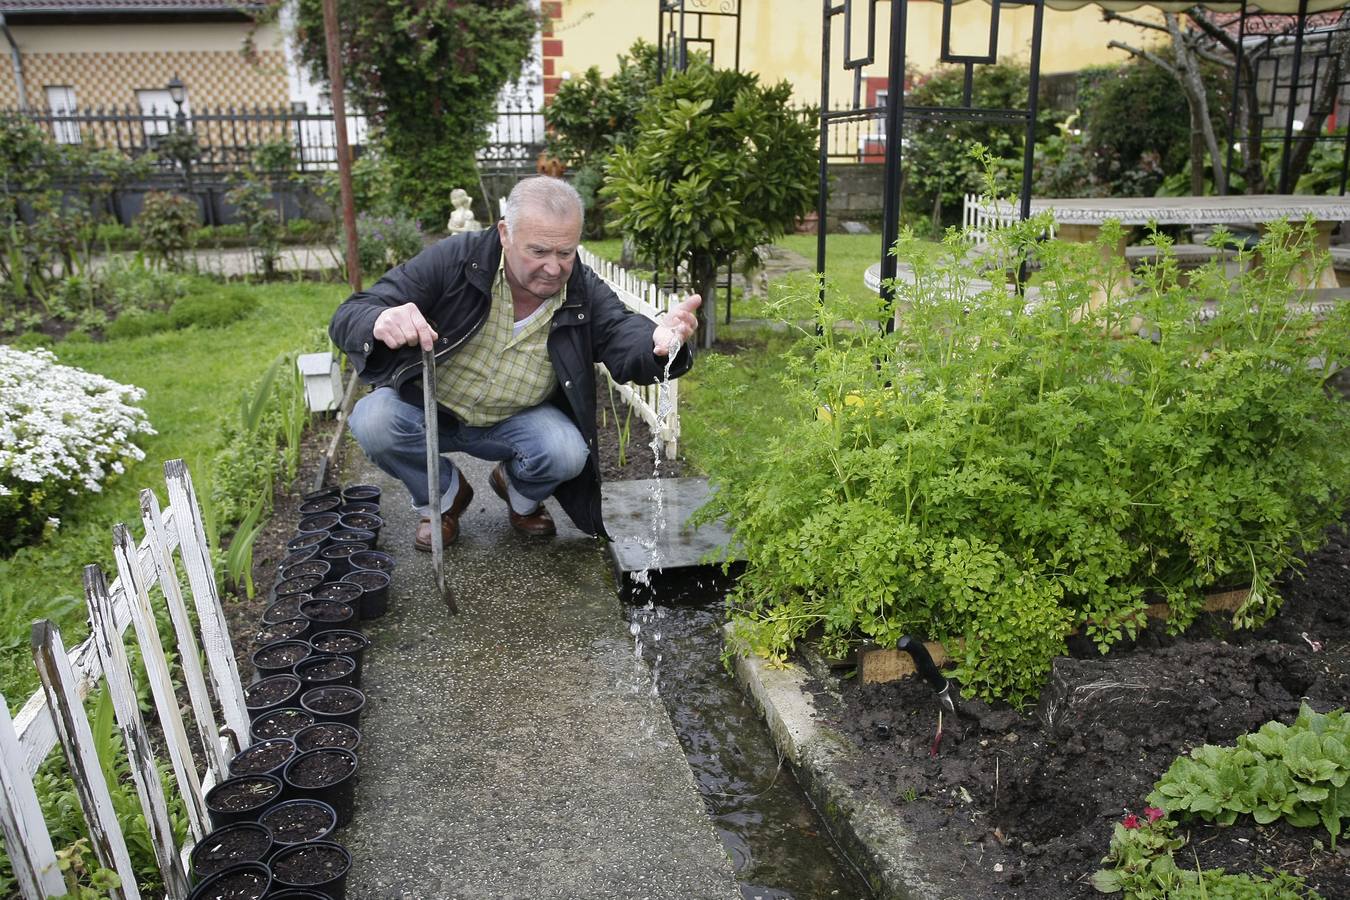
(1153, 813)
(1131, 821)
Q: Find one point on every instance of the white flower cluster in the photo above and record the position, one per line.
(63, 426)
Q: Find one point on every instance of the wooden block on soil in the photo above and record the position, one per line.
(877, 665)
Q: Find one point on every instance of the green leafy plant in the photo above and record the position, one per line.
(1293, 772)
(253, 199)
(213, 308)
(166, 224)
(383, 242)
(999, 471)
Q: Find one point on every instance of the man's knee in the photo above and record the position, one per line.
(562, 457)
(379, 422)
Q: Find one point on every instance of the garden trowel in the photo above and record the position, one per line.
(434, 476)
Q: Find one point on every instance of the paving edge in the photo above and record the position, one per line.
(888, 854)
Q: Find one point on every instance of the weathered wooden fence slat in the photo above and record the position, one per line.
(166, 574)
(646, 299)
(161, 680)
(122, 689)
(26, 839)
(211, 618)
(61, 688)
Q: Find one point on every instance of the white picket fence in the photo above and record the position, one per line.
(55, 714)
(661, 413)
(980, 215)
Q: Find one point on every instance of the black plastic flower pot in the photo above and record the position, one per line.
(334, 704)
(322, 668)
(285, 722)
(374, 598)
(280, 657)
(242, 799)
(319, 866)
(332, 490)
(297, 894)
(271, 693)
(342, 642)
(352, 536)
(324, 521)
(341, 591)
(359, 506)
(285, 630)
(298, 556)
(328, 614)
(376, 560)
(306, 567)
(338, 557)
(284, 610)
(328, 734)
(300, 584)
(327, 774)
(306, 540)
(267, 757)
(367, 493)
(299, 821)
(330, 503)
(240, 842)
(245, 881)
(363, 522)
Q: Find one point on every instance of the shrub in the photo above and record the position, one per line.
(62, 431)
(137, 323)
(995, 473)
(167, 223)
(385, 241)
(213, 309)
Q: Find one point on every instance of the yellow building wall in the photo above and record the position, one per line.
(781, 39)
(107, 64)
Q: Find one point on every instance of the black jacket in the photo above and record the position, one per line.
(451, 283)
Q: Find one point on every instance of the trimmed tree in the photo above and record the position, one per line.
(721, 165)
(428, 73)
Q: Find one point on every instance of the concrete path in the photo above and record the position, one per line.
(517, 750)
(236, 262)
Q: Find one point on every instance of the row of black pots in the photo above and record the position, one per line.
(287, 650)
(327, 774)
(313, 870)
(325, 702)
(366, 590)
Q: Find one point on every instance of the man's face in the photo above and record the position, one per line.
(540, 256)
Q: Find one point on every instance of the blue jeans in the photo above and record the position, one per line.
(541, 446)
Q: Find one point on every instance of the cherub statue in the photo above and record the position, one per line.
(462, 220)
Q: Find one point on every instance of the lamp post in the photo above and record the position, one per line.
(178, 93)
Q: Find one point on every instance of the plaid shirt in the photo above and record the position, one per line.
(497, 374)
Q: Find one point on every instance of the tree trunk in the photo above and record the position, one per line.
(703, 272)
(1193, 85)
(1323, 101)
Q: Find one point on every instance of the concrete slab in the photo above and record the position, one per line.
(649, 521)
(518, 749)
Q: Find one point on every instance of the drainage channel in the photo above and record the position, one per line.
(777, 843)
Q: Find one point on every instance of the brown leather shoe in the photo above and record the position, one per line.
(537, 524)
(449, 519)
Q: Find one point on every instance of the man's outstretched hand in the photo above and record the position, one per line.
(676, 326)
(404, 326)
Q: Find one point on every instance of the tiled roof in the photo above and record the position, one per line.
(124, 6)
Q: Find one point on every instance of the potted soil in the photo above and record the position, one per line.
(271, 693)
(284, 722)
(328, 775)
(320, 505)
(374, 598)
(303, 541)
(321, 866)
(285, 630)
(359, 506)
(366, 492)
(373, 559)
(282, 610)
(334, 704)
(298, 556)
(320, 493)
(301, 584)
(342, 642)
(305, 567)
(267, 757)
(299, 821)
(363, 522)
(297, 894)
(324, 521)
(323, 669)
(347, 592)
(242, 798)
(228, 846)
(327, 734)
(338, 556)
(246, 881)
(325, 615)
(280, 657)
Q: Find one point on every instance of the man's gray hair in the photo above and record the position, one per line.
(553, 197)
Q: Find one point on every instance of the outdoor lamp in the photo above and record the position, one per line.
(177, 93)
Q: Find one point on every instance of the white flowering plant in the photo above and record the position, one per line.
(62, 431)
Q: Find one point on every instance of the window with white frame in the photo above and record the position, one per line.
(61, 105)
(158, 111)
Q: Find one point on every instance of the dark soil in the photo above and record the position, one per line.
(308, 567)
(366, 579)
(373, 559)
(328, 734)
(284, 609)
(326, 669)
(309, 865)
(238, 886)
(284, 722)
(1023, 805)
(327, 611)
(262, 758)
(298, 821)
(321, 768)
(301, 584)
(343, 592)
(333, 701)
(226, 846)
(338, 643)
(270, 690)
(243, 793)
(285, 630)
(283, 655)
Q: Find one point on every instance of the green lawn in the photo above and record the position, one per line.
(192, 379)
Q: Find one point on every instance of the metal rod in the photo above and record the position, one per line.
(1285, 187)
(1033, 108)
(433, 429)
(823, 188)
(890, 211)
